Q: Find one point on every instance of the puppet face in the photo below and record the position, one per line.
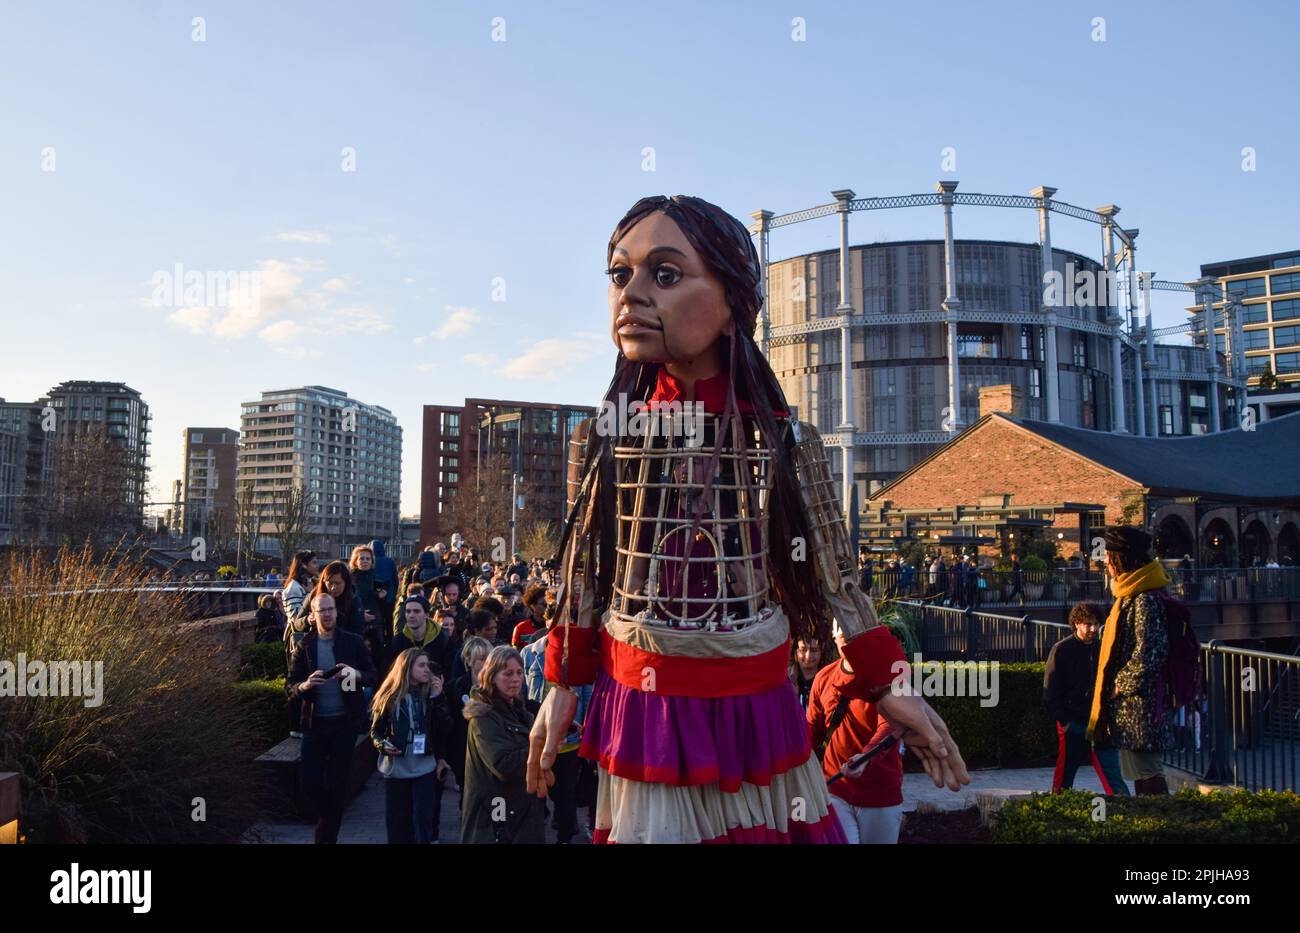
(666, 305)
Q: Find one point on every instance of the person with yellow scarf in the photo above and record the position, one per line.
(1130, 703)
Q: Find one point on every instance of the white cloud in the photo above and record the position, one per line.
(552, 358)
(360, 320)
(335, 285)
(283, 332)
(460, 321)
(545, 360)
(195, 320)
(316, 237)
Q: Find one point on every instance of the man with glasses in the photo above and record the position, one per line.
(327, 672)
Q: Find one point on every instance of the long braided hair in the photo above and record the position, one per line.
(727, 250)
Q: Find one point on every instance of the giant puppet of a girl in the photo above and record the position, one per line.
(694, 549)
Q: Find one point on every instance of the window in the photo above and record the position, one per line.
(1254, 314)
(1287, 363)
(1026, 341)
(919, 335)
(1257, 339)
(984, 346)
(1079, 350)
(1035, 383)
(1286, 310)
(1247, 288)
(1285, 262)
(1166, 419)
(1281, 284)
(1286, 336)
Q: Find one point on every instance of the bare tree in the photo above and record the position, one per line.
(484, 517)
(95, 494)
(220, 527)
(289, 516)
(247, 525)
(540, 537)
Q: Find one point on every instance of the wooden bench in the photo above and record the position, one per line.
(284, 764)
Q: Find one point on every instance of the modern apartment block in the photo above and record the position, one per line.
(26, 467)
(1259, 299)
(527, 438)
(209, 463)
(346, 455)
(87, 405)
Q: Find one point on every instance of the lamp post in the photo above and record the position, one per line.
(516, 503)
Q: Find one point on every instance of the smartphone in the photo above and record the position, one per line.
(333, 673)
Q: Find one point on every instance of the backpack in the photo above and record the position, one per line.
(1183, 667)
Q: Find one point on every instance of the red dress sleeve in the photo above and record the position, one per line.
(583, 661)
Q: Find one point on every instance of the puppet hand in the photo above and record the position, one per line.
(549, 728)
(922, 730)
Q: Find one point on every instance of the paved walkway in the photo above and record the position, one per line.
(1011, 782)
(363, 821)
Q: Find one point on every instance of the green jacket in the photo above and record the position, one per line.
(497, 807)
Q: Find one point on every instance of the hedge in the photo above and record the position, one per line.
(267, 709)
(261, 661)
(1185, 817)
(1015, 733)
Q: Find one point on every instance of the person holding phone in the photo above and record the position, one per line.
(410, 727)
(327, 672)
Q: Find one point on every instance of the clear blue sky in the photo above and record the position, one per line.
(479, 160)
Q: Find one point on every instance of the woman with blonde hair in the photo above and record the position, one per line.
(497, 807)
(473, 655)
(362, 565)
(409, 726)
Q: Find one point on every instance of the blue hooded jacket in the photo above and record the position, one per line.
(385, 569)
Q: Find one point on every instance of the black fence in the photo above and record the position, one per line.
(986, 587)
(1244, 728)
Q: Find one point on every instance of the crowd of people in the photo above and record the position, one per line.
(440, 664)
(959, 581)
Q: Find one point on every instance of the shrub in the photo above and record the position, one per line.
(261, 661)
(1017, 732)
(1185, 817)
(902, 621)
(267, 710)
(1032, 563)
(169, 727)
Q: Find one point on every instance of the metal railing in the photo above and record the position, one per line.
(1061, 586)
(1243, 729)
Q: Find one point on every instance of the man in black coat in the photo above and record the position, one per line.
(327, 672)
(1068, 681)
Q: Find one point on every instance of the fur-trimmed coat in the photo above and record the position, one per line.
(497, 806)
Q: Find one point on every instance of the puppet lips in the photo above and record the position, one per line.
(629, 324)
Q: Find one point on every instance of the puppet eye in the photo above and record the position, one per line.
(666, 276)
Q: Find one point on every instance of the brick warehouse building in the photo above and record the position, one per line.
(530, 438)
(1226, 499)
